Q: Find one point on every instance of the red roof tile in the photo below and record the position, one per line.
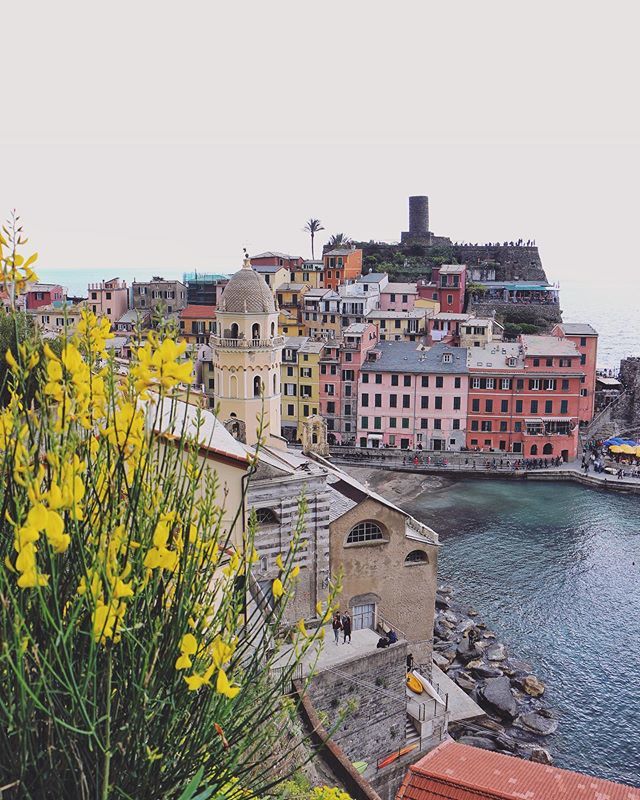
(194, 311)
(458, 772)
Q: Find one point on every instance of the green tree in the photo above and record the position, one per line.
(312, 227)
(339, 240)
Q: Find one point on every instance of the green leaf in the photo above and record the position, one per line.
(189, 792)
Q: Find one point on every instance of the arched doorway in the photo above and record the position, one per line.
(273, 329)
(257, 386)
(547, 450)
(234, 330)
(534, 449)
(255, 330)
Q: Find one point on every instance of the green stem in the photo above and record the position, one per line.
(107, 748)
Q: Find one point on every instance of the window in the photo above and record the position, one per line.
(417, 557)
(548, 406)
(447, 358)
(475, 405)
(405, 422)
(536, 362)
(565, 384)
(290, 410)
(392, 440)
(378, 377)
(331, 408)
(438, 403)
(503, 426)
(549, 362)
(517, 427)
(584, 392)
(488, 406)
(439, 381)
(365, 422)
(394, 380)
(365, 532)
(518, 406)
(456, 425)
(474, 424)
(564, 406)
(347, 409)
(425, 381)
(424, 402)
(550, 384)
(504, 406)
(377, 423)
(365, 377)
(364, 400)
(457, 383)
(257, 386)
(377, 400)
(534, 384)
(534, 406)
(405, 298)
(437, 424)
(583, 341)
(505, 383)
(266, 516)
(424, 423)
(491, 383)
(406, 400)
(475, 383)
(486, 426)
(406, 381)
(347, 356)
(393, 400)
(583, 359)
(393, 422)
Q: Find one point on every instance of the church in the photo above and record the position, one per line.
(387, 558)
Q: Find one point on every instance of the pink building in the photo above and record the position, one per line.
(398, 297)
(44, 294)
(340, 366)
(585, 339)
(448, 286)
(109, 299)
(413, 397)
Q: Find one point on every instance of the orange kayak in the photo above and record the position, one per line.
(414, 684)
(398, 754)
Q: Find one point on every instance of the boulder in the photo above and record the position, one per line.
(531, 685)
(440, 661)
(472, 612)
(537, 723)
(496, 652)
(442, 602)
(465, 681)
(541, 755)
(484, 670)
(479, 741)
(451, 617)
(497, 693)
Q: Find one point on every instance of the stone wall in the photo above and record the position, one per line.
(531, 313)
(375, 686)
(625, 416)
(511, 263)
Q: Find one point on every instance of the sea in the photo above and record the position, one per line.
(554, 570)
(614, 317)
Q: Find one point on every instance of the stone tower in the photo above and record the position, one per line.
(418, 221)
(247, 353)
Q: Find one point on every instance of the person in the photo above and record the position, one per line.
(346, 627)
(409, 662)
(337, 626)
(392, 636)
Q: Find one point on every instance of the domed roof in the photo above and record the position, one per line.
(247, 293)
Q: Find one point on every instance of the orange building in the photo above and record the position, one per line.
(525, 397)
(196, 323)
(585, 339)
(340, 266)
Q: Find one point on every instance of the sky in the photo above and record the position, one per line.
(171, 135)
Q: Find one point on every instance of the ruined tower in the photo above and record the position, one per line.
(418, 221)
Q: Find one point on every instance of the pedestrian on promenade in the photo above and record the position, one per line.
(346, 627)
(337, 626)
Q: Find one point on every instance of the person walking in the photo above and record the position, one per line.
(337, 626)
(346, 627)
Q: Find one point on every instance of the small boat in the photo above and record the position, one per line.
(414, 684)
(398, 754)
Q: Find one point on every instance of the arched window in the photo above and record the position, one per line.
(233, 386)
(417, 557)
(547, 450)
(273, 329)
(534, 449)
(365, 532)
(234, 331)
(255, 331)
(257, 386)
(266, 516)
(275, 385)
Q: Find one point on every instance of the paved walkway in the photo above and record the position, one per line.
(461, 706)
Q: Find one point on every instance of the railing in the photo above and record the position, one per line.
(242, 344)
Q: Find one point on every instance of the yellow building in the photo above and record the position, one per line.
(310, 274)
(53, 320)
(291, 295)
(288, 323)
(300, 382)
(247, 352)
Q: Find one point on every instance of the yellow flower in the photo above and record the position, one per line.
(277, 588)
(58, 539)
(220, 652)
(122, 589)
(189, 644)
(295, 572)
(194, 682)
(301, 627)
(279, 562)
(224, 687)
(183, 662)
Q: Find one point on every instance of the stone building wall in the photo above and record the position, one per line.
(533, 314)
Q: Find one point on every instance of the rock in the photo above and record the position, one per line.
(484, 670)
(443, 589)
(442, 602)
(478, 741)
(451, 617)
(537, 722)
(442, 633)
(441, 661)
(497, 693)
(541, 755)
(496, 652)
(472, 612)
(531, 685)
(491, 724)
(445, 623)
(465, 681)
(488, 634)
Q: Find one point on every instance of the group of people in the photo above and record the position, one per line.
(342, 623)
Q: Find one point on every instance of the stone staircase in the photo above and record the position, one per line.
(411, 735)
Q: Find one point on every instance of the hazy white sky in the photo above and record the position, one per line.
(165, 134)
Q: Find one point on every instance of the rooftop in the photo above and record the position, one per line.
(133, 314)
(406, 357)
(42, 287)
(514, 285)
(495, 355)
(372, 277)
(355, 329)
(195, 311)
(452, 269)
(341, 251)
(451, 316)
(274, 254)
(268, 268)
(312, 346)
(400, 288)
(455, 771)
(292, 287)
(415, 313)
(548, 346)
(578, 329)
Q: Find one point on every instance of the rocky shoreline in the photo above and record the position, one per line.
(518, 722)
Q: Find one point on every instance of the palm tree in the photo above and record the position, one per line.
(339, 240)
(312, 227)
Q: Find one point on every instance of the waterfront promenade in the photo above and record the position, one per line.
(480, 465)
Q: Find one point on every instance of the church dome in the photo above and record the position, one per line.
(247, 293)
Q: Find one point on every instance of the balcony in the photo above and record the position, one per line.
(244, 344)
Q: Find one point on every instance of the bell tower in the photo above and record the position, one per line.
(247, 354)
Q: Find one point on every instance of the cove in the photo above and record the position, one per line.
(554, 570)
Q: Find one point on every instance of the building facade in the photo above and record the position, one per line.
(300, 383)
(109, 299)
(43, 294)
(340, 266)
(585, 338)
(158, 293)
(197, 323)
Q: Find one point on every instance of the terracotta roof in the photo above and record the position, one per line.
(455, 771)
(194, 311)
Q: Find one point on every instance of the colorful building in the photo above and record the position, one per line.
(54, 320)
(398, 297)
(43, 294)
(524, 397)
(321, 313)
(479, 331)
(300, 373)
(204, 289)
(109, 299)
(340, 366)
(158, 293)
(585, 339)
(197, 323)
(400, 326)
(274, 259)
(291, 296)
(447, 286)
(340, 266)
(309, 273)
(413, 397)
(445, 327)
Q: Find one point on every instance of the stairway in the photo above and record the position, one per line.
(411, 735)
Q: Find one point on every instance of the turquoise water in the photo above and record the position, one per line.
(554, 570)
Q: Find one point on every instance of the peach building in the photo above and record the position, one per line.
(585, 339)
(109, 299)
(340, 266)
